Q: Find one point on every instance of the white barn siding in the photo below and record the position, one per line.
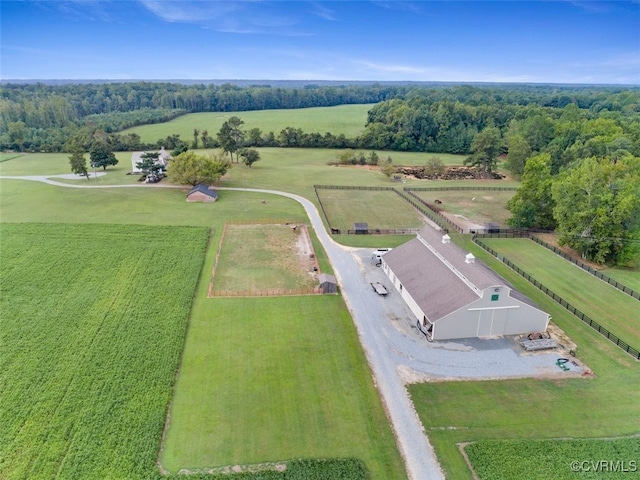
(487, 318)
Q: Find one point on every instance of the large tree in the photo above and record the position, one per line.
(102, 156)
(231, 136)
(188, 168)
(598, 209)
(485, 149)
(78, 163)
(532, 205)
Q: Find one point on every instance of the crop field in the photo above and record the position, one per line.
(343, 119)
(614, 310)
(556, 459)
(381, 209)
(260, 257)
(93, 325)
(478, 206)
(274, 378)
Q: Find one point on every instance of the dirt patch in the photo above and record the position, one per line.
(306, 254)
(463, 222)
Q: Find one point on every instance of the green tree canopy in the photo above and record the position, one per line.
(532, 205)
(485, 148)
(78, 163)
(249, 156)
(231, 136)
(598, 209)
(188, 168)
(102, 156)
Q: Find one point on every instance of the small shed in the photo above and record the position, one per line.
(202, 193)
(328, 283)
(361, 228)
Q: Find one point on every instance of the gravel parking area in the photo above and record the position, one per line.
(472, 358)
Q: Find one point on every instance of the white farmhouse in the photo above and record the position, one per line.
(136, 157)
(453, 295)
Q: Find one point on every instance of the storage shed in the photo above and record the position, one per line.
(361, 228)
(453, 295)
(328, 283)
(202, 193)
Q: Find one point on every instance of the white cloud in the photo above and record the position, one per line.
(322, 11)
(190, 11)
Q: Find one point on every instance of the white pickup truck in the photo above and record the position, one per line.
(379, 288)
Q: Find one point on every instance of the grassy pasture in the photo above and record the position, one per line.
(381, 209)
(477, 411)
(479, 206)
(616, 311)
(93, 326)
(630, 278)
(259, 257)
(268, 379)
(343, 119)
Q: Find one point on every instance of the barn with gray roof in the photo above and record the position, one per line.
(453, 295)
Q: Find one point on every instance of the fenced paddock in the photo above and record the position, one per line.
(611, 312)
(264, 259)
(382, 208)
(480, 205)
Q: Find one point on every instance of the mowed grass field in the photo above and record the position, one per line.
(614, 310)
(93, 325)
(343, 119)
(380, 209)
(260, 257)
(479, 206)
(276, 378)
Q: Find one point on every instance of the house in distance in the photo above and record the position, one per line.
(136, 158)
(453, 295)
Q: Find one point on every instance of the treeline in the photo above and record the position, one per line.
(432, 123)
(410, 117)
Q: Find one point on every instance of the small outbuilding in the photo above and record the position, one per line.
(454, 295)
(202, 193)
(361, 228)
(328, 283)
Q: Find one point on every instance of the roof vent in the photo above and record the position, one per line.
(446, 238)
(469, 258)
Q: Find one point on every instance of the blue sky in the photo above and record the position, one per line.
(386, 40)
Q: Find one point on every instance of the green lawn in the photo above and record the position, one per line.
(380, 209)
(616, 311)
(93, 325)
(343, 119)
(269, 379)
(630, 278)
(602, 406)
